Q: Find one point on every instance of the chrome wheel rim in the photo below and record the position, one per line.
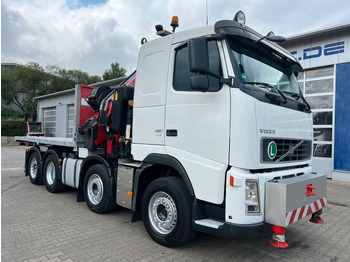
(95, 189)
(50, 173)
(162, 213)
(33, 168)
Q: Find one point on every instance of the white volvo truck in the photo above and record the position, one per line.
(214, 136)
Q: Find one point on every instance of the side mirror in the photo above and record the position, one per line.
(296, 73)
(200, 83)
(198, 54)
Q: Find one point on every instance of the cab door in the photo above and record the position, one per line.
(197, 123)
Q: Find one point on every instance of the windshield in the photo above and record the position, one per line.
(35, 127)
(262, 69)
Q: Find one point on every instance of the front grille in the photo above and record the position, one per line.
(288, 150)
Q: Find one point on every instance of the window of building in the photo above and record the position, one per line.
(70, 120)
(182, 73)
(49, 121)
(318, 85)
(320, 101)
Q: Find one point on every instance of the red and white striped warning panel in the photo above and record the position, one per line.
(304, 211)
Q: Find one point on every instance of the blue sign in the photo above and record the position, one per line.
(317, 51)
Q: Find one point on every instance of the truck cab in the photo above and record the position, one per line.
(226, 106)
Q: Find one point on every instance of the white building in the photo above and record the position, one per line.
(325, 81)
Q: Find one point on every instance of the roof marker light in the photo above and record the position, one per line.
(240, 18)
(174, 22)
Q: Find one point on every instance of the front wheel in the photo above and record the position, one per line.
(99, 190)
(166, 212)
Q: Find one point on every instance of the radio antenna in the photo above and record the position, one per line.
(206, 11)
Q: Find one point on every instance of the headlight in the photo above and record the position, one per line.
(252, 197)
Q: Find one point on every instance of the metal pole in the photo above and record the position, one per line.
(206, 10)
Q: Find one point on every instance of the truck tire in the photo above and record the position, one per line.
(52, 175)
(97, 190)
(167, 212)
(33, 169)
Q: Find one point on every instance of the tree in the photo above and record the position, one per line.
(95, 79)
(76, 76)
(114, 72)
(31, 78)
(9, 94)
(20, 86)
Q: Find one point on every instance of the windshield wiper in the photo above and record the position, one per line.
(297, 97)
(294, 95)
(269, 86)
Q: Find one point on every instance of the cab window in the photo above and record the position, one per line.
(182, 73)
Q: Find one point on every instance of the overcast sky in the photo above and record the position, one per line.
(91, 34)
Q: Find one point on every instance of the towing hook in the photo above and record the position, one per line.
(309, 189)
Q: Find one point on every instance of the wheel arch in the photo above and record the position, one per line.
(29, 152)
(156, 166)
(89, 162)
(54, 183)
(170, 161)
(56, 153)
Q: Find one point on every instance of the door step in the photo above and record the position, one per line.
(209, 223)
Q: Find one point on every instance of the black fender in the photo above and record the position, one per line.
(58, 155)
(148, 162)
(95, 160)
(28, 153)
(171, 162)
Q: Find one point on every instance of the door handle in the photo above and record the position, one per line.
(171, 132)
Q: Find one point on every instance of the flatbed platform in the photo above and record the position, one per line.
(54, 141)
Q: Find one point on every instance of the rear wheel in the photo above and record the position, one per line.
(52, 175)
(167, 212)
(98, 192)
(33, 169)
